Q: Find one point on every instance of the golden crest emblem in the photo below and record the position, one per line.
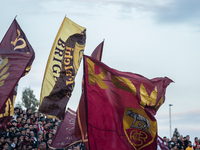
(139, 129)
(3, 64)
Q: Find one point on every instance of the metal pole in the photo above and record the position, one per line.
(170, 119)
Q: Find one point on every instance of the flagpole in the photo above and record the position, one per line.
(170, 119)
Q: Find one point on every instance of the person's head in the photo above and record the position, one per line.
(31, 138)
(32, 133)
(55, 127)
(54, 131)
(24, 112)
(20, 110)
(16, 110)
(187, 137)
(35, 114)
(27, 130)
(28, 111)
(17, 132)
(174, 139)
(190, 144)
(164, 138)
(46, 126)
(22, 131)
(34, 126)
(22, 115)
(1, 139)
(4, 145)
(25, 116)
(49, 141)
(23, 121)
(14, 122)
(40, 136)
(15, 138)
(30, 126)
(26, 138)
(28, 120)
(25, 125)
(76, 147)
(20, 137)
(19, 119)
(42, 146)
(7, 139)
(11, 128)
(181, 137)
(196, 139)
(30, 147)
(31, 117)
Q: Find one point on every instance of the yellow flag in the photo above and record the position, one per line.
(53, 66)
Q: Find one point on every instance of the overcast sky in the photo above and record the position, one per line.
(154, 38)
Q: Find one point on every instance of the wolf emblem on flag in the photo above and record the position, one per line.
(139, 129)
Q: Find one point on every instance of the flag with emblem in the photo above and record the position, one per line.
(121, 107)
(64, 61)
(81, 122)
(15, 51)
(64, 136)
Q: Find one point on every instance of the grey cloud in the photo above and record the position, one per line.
(179, 11)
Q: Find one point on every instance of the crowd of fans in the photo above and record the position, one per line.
(33, 131)
(28, 131)
(182, 143)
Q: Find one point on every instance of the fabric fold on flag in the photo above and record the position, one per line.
(8, 108)
(117, 117)
(81, 122)
(64, 136)
(12, 66)
(161, 144)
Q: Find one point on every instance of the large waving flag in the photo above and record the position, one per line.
(61, 69)
(64, 136)
(16, 57)
(118, 107)
(81, 122)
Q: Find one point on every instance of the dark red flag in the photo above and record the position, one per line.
(81, 123)
(14, 43)
(118, 107)
(161, 144)
(64, 136)
(12, 66)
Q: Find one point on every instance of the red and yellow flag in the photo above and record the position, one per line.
(121, 107)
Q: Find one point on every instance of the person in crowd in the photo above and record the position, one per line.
(186, 141)
(189, 147)
(15, 114)
(196, 144)
(180, 142)
(172, 143)
(4, 146)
